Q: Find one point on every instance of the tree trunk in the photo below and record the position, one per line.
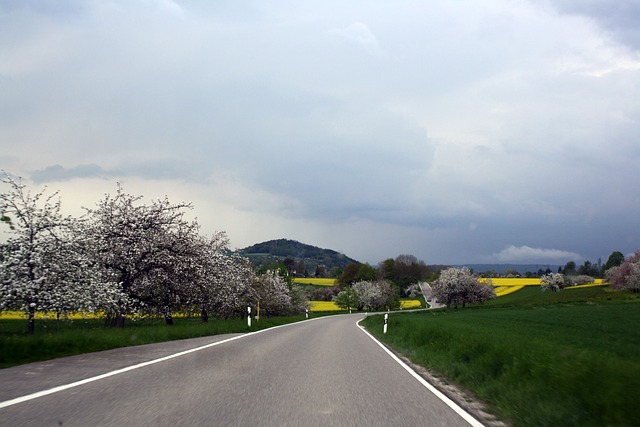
(167, 315)
(31, 326)
(114, 320)
(204, 316)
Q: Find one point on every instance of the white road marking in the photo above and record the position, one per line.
(464, 414)
(38, 394)
(453, 405)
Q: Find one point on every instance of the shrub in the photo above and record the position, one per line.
(627, 275)
(552, 281)
(458, 286)
(580, 280)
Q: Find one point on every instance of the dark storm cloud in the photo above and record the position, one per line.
(457, 132)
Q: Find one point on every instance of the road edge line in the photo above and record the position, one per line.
(63, 387)
(444, 398)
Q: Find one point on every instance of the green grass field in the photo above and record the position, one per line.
(570, 358)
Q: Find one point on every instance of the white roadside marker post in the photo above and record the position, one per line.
(249, 317)
(386, 320)
(306, 312)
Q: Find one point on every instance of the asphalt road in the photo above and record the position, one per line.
(324, 372)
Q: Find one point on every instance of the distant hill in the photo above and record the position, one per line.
(306, 257)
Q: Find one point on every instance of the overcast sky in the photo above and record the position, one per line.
(495, 131)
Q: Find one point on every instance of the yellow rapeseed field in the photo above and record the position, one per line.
(315, 281)
(323, 306)
(515, 281)
(410, 303)
(42, 315)
(331, 306)
(505, 286)
(533, 281)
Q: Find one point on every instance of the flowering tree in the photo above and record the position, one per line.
(552, 281)
(45, 265)
(458, 286)
(145, 249)
(413, 290)
(224, 285)
(273, 293)
(370, 295)
(627, 275)
(581, 279)
(376, 295)
(481, 291)
(235, 288)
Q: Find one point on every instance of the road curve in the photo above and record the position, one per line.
(324, 372)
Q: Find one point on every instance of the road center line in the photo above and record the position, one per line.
(453, 405)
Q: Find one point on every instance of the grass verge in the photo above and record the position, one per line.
(58, 338)
(566, 359)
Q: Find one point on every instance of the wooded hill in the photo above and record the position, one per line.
(306, 257)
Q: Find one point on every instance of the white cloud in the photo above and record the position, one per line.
(526, 254)
(167, 6)
(359, 33)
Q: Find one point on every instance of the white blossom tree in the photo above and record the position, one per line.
(273, 294)
(581, 279)
(376, 295)
(44, 264)
(413, 290)
(224, 286)
(481, 291)
(371, 296)
(552, 281)
(145, 248)
(458, 286)
(627, 275)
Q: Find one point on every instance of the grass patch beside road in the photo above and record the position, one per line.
(566, 359)
(57, 338)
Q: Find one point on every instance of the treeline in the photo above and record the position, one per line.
(125, 257)
(402, 271)
(570, 269)
(619, 272)
(362, 286)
